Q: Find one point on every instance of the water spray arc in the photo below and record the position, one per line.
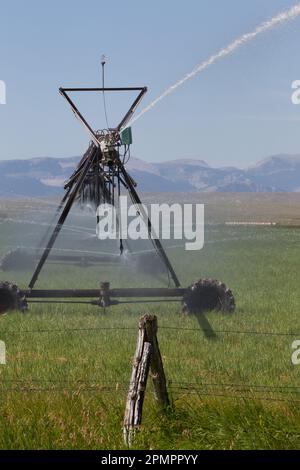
(277, 20)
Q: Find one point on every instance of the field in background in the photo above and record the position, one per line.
(68, 367)
(282, 208)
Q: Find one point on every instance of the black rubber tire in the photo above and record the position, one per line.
(11, 298)
(208, 294)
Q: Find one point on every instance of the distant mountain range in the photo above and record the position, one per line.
(42, 177)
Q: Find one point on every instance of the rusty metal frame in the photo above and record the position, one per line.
(74, 185)
(64, 92)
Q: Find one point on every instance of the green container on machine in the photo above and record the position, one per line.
(126, 136)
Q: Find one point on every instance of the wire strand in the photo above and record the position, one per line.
(171, 328)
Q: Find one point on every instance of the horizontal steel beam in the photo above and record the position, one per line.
(94, 293)
(86, 259)
(106, 89)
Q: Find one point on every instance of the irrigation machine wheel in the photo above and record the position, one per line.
(11, 298)
(208, 294)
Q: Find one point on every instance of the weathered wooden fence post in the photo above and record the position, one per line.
(138, 382)
(147, 356)
(156, 367)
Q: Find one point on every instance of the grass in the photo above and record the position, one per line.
(66, 389)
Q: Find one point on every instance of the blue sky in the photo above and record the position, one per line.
(237, 112)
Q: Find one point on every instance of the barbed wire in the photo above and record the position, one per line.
(171, 383)
(27, 389)
(66, 381)
(174, 328)
(246, 389)
(242, 397)
(235, 332)
(67, 330)
(62, 389)
(255, 392)
(174, 385)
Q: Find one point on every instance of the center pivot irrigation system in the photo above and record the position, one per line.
(99, 178)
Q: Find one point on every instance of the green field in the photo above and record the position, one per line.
(68, 366)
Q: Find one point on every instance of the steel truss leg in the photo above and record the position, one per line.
(70, 201)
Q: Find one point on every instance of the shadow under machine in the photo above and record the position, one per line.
(99, 178)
